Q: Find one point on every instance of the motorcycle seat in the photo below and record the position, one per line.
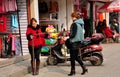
(85, 43)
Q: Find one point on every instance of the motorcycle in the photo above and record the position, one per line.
(90, 50)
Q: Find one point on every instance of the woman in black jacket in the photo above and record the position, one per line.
(76, 37)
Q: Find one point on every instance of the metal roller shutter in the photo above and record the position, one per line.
(22, 6)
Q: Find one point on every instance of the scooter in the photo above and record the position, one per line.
(90, 50)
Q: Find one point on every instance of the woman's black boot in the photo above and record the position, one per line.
(84, 70)
(72, 72)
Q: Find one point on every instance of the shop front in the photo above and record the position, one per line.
(13, 23)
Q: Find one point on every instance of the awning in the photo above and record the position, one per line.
(101, 0)
(114, 6)
(104, 7)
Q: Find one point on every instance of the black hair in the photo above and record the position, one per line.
(32, 19)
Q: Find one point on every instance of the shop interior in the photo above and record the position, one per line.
(48, 13)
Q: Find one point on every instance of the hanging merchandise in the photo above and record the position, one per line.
(13, 43)
(101, 17)
(47, 41)
(14, 23)
(9, 44)
(84, 11)
(76, 2)
(2, 9)
(52, 41)
(3, 24)
(7, 5)
(45, 49)
(52, 32)
(4, 46)
(76, 5)
(50, 29)
(53, 6)
(12, 5)
(43, 8)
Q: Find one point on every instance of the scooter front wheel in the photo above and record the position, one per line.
(52, 60)
(98, 61)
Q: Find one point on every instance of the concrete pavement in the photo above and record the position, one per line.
(18, 66)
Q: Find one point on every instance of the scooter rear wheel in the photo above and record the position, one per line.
(52, 60)
(99, 60)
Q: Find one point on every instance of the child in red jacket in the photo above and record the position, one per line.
(36, 40)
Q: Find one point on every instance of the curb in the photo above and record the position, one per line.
(16, 59)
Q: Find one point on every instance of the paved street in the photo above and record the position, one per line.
(109, 68)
